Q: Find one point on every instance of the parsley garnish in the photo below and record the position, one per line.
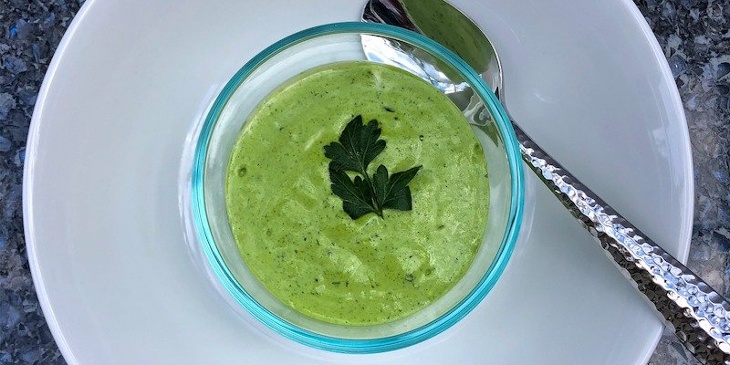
(358, 145)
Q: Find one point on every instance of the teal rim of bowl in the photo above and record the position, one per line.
(354, 346)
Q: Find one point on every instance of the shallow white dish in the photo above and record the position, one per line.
(102, 218)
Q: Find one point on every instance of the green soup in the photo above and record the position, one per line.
(291, 229)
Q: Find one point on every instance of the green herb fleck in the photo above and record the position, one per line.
(358, 145)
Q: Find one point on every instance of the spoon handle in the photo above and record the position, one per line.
(699, 315)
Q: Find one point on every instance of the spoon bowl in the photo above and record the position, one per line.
(446, 25)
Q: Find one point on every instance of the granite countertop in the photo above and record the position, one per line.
(695, 37)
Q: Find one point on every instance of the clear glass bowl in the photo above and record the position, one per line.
(320, 46)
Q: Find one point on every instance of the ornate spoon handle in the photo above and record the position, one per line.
(699, 315)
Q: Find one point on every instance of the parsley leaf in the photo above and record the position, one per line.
(356, 198)
(357, 146)
(393, 192)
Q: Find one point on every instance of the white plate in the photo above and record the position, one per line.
(102, 217)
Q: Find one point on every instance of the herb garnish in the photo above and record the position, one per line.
(358, 145)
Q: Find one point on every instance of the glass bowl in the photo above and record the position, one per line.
(325, 45)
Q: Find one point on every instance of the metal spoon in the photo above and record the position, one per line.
(699, 315)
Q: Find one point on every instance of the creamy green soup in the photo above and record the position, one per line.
(291, 229)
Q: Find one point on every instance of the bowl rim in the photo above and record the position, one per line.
(373, 345)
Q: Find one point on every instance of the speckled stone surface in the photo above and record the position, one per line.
(695, 37)
(29, 34)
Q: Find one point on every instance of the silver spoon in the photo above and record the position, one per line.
(699, 315)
